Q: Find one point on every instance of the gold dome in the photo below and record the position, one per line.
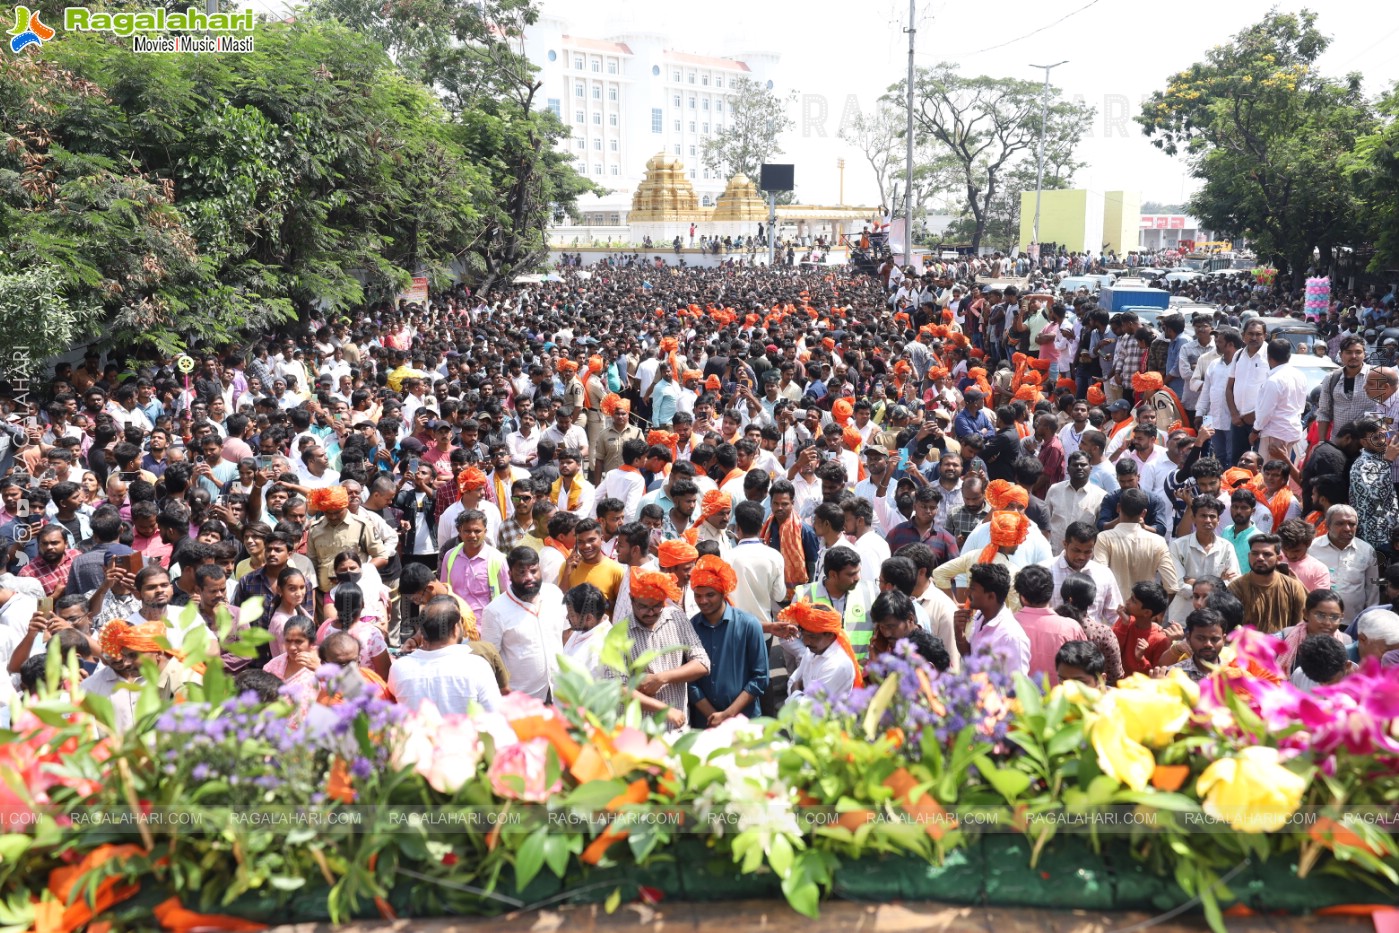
(740, 201)
(665, 193)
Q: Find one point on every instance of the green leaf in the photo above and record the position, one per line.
(530, 858)
(1008, 782)
(883, 697)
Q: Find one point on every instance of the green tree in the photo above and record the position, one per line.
(987, 126)
(1374, 168)
(472, 54)
(757, 117)
(1270, 137)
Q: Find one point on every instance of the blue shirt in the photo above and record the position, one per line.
(738, 662)
(966, 423)
(664, 397)
(1173, 358)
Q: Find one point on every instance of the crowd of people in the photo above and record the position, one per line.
(765, 478)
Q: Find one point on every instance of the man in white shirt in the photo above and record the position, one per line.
(527, 623)
(1247, 373)
(1213, 406)
(1073, 500)
(869, 543)
(1280, 403)
(1077, 557)
(827, 668)
(625, 483)
(1072, 433)
(565, 434)
(761, 570)
(443, 670)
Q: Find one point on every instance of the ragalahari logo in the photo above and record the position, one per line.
(29, 30)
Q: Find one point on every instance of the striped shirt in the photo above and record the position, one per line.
(672, 630)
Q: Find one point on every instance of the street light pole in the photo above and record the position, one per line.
(1039, 162)
(908, 136)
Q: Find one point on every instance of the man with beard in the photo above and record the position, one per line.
(587, 563)
(1272, 601)
(1204, 637)
(119, 667)
(526, 624)
(659, 629)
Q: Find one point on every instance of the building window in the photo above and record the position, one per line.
(718, 106)
(611, 119)
(556, 107)
(676, 98)
(692, 126)
(718, 80)
(597, 119)
(675, 76)
(769, 85)
(612, 144)
(597, 66)
(692, 77)
(706, 174)
(656, 119)
(578, 89)
(612, 67)
(597, 144)
(612, 93)
(706, 129)
(597, 168)
(706, 201)
(692, 150)
(677, 148)
(616, 171)
(577, 63)
(704, 104)
(677, 126)
(578, 116)
(579, 144)
(655, 71)
(692, 173)
(614, 218)
(553, 56)
(692, 103)
(704, 79)
(597, 92)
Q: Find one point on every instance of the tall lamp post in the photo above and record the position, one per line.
(1039, 162)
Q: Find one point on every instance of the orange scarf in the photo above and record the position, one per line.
(735, 473)
(793, 555)
(1278, 504)
(559, 546)
(1126, 425)
(1317, 520)
(575, 495)
(502, 498)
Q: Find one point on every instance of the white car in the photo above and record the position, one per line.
(1314, 368)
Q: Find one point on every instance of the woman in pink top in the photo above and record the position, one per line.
(297, 666)
(350, 616)
(1297, 536)
(291, 596)
(1322, 615)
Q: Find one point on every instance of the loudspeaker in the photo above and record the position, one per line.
(776, 177)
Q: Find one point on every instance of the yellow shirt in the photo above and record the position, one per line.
(606, 575)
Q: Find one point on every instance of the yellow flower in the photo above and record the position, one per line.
(1155, 710)
(1119, 756)
(1252, 791)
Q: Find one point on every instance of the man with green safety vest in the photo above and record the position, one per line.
(473, 569)
(840, 588)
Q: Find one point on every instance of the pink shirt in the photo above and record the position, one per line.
(1311, 573)
(1002, 637)
(1047, 633)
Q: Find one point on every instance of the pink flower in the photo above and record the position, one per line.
(519, 772)
(445, 750)
(517, 705)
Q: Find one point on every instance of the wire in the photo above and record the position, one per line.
(1034, 33)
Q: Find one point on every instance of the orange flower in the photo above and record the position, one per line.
(173, 916)
(637, 792)
(553, 730)
(934, 817)
(1169, 777)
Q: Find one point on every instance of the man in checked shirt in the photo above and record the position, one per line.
(657, 624)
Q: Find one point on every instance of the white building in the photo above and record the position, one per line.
(631, 95)
(1172, 231)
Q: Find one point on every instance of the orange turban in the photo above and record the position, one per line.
(1027, 393)
(851, 437)
(651, 584)
(1147, 382)
(828, 343)
(566, 366)
(926, 330)
(330, 499)
(842, 410)
(689, 374)
(143, 637)
(595, 364)
(713, 573)
(675, 552)
(947, 316)
(1236, 476)
(712, 383)
(1065, 384)
(1039, 364)
(111, 638)
(976, 373)
(669, 344)
(1177, 426)
(1096, 395)
(471, 478)
(810, 617)
(713, 503)
(664, 439)
(1001, 493)
(612, 404)
(1008, 529)
(977, 353)
(938, 372)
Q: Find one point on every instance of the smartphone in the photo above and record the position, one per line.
(264, 461)
(130, 476)
(413, 465)
(46, 604)
(903, 459)
(135, 561)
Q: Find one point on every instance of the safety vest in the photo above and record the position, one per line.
(493, 565)
(858, 627)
